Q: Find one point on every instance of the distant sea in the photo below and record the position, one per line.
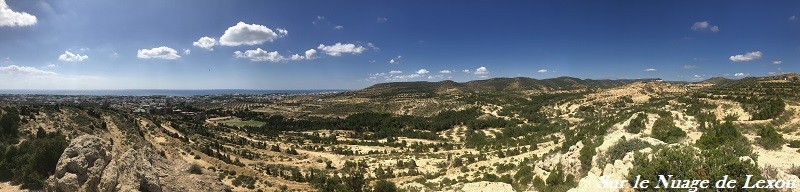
(149, 92)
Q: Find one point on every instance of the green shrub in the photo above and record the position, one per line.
(794, 144)
(770, 139)
(637, 124)
(686, 162)
(384, 186)
(664, 129)
(624, 146)
(195, 169)
(725, 136)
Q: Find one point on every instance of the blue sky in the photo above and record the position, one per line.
(141, 44)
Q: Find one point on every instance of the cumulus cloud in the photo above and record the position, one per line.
(542, 71)
(187, 51)
(481, 71)
(445, 71)
(71, 57)
(704, 25)
(465, 70)
(649, 70)
(158, 53)
(25, 71)
(777, 62)
(205, 43)
(746, 57)
(338, 27)
(423, 71)
(395, 72)
(260, 55)
(249, 34)
(311, 54)
(741, 74)
(9, 18)
(338, 49)
(296, 57)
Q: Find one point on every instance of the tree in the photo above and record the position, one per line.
(770, 139)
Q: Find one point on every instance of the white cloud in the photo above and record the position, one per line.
(741, 74)
(392, 61)
(9, 18)
(260, 55)
(793, 18)
(372, 46)
(777, 62)
(395, 72)
(649, 70)
(249, 34)
(435, 76)
(689, 67)
(465, 70)
(50, 65)
(746, 57)
(339, 48)
(205, 43)
(338, 27)
(187, 51)
(26, 71)
(423, 71)
(382, 19)
(296, 57)
(445, 71)
(704, 25)
(311, 54)
(158, 53)
(542, 71)
(481, 71)
(70, 57)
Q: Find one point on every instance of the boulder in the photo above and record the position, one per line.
(130, 172)
(80, 166)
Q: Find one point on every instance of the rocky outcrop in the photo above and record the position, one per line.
(81, 165)
(131, 172)
(88, 165)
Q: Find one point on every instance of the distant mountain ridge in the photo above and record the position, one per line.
(495, 84)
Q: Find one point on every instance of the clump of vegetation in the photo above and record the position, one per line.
(686, 162)
(794, 144)
(384, 186)
(195, 169)
(770, 139)
(664, 129)
(556, 181)
(623, 146)
(30, 163)
(245, 181)
(727, 137)
(637, 124)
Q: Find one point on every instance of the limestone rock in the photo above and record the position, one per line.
(130, 172)
(80, 166)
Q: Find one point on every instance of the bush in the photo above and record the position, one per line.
(770, 139)
(30, 163)
(686, 162)
(637, 124)
(384, 186)
(665, 130)
(727, 137)
(794, 144)
(624, 146)
(195, 169)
